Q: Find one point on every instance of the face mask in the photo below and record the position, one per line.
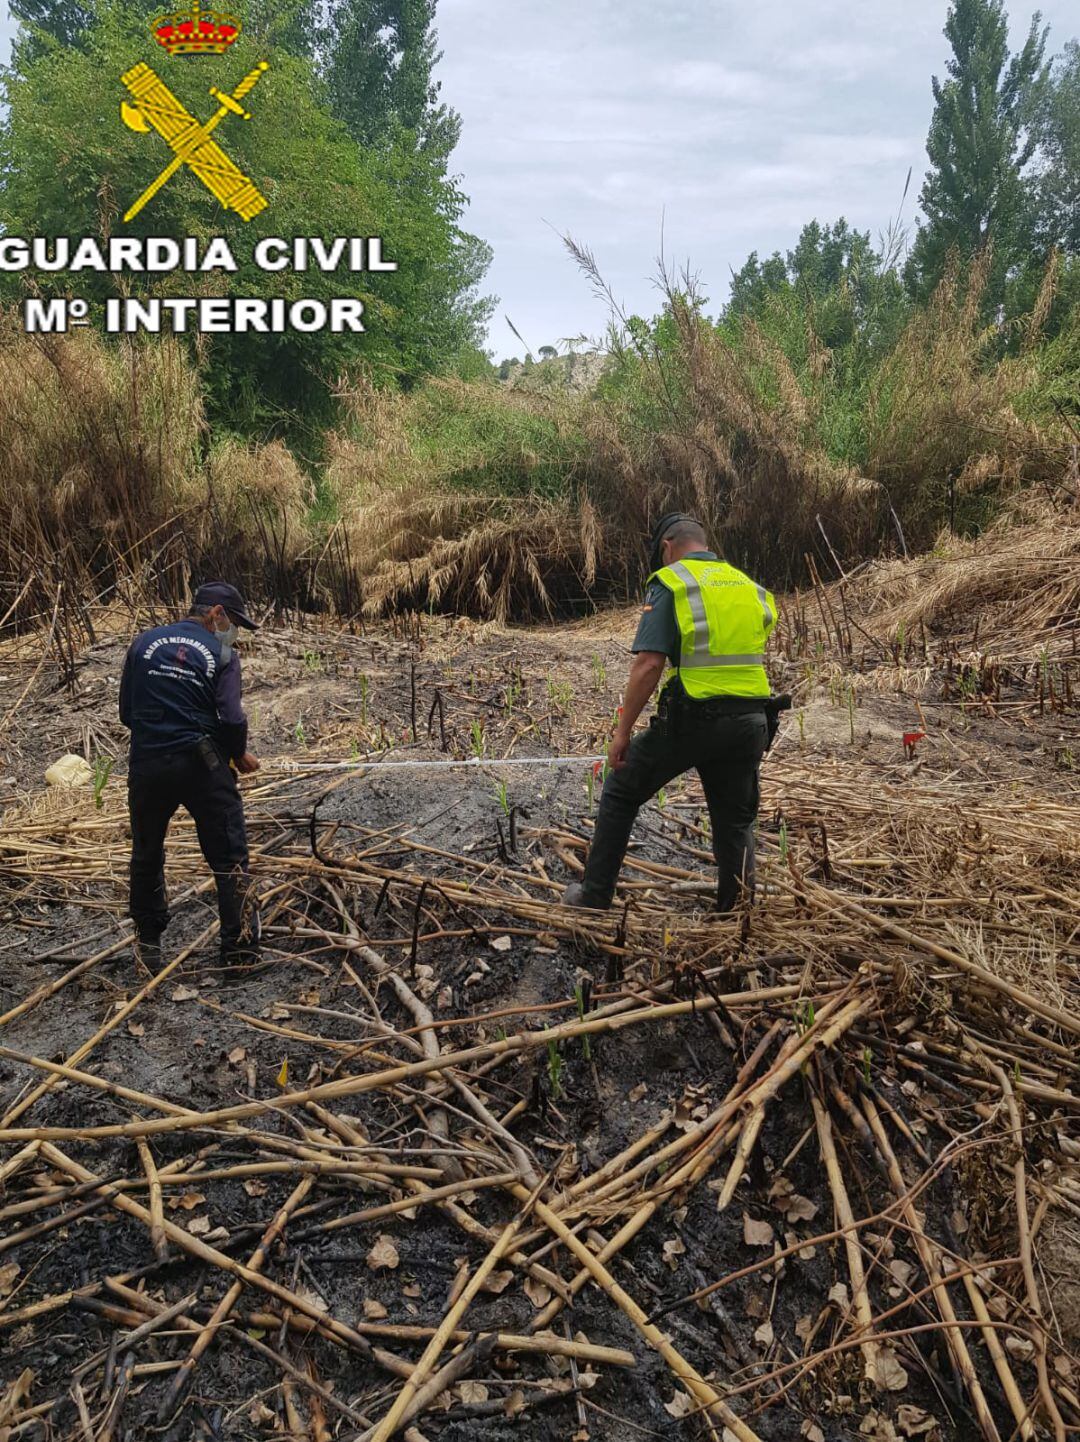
(228, 640)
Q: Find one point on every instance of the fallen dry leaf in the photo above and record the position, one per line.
(498, 1282)
(309, 1295)
(800, 1209)
(914, 1422)
(679, 1406)
(8, 1274)
(136, 1028)
(199, 1226)
(515, 1403)
(383, 1253)
(187, 1200)
(470, 1391)
(374, 1311)
(764, 1334)
(184, 993)
(878, 1426)
(890, 1373)
(538, 1294)
(255, 1188)
(1022, 1348)
(237, 1055)
(674, 1248)
(18, 1393)
(811, 1431)
(501, 943)
(755, 1233)
(1063, 1366)
(636, 1093)
(413, 1289)
(901, 1271)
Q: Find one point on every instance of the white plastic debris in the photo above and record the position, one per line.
(69, 771)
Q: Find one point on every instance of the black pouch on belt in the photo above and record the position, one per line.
(773, 707)
(211, 756)
(671, 706)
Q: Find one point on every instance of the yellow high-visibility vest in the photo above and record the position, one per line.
(724, 621)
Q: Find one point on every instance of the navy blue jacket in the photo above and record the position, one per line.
(175, 689)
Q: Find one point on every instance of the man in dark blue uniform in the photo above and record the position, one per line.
(180, 699)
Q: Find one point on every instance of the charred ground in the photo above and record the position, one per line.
(904, 982)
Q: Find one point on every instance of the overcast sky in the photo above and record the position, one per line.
(729, 123)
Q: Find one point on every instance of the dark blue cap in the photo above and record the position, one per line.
(220, 593)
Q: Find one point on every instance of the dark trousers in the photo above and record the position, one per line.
(201, 781)
(726, 751)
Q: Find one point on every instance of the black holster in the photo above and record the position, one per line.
(773, 707)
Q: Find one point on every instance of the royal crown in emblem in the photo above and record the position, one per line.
(196, 31)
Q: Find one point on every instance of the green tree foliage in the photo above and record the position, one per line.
(982, 136)
(68, 166)
(378, 57)
(1058, 132)
(833, 281)
(65, 21)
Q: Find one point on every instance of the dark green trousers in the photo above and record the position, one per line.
(726, 750)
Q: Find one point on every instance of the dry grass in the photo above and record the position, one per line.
(947, 419)
(1020, 581)
(105, 490)
(478, 555)
(519, 504)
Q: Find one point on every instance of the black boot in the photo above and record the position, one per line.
(148, 950)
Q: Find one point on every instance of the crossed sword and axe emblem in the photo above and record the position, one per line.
(156, 106)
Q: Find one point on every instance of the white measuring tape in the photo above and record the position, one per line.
(305, 767)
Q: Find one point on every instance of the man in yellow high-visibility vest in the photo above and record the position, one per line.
(711, 623)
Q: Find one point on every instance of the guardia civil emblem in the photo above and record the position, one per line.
(153, 106)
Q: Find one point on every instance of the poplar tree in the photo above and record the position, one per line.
(981, 138)
(378, 60)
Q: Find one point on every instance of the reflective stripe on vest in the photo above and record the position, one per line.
(707, 668)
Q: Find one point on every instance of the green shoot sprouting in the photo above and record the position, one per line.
(804, 1015)
(103, 766)
(555, 1069)
(560, 694)
(502, 798)
(477, 738)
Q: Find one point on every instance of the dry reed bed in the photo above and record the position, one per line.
(907, 981)
(1014, 590)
